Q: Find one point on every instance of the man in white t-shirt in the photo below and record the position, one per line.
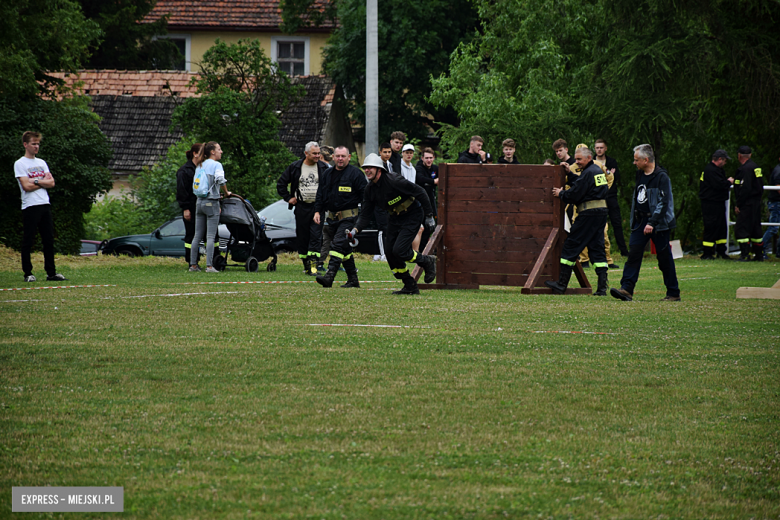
(34, 178)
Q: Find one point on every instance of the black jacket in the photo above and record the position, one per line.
(425, 178)
(713, 184)
(591, 184)
(340, 189)
(184, 195)
(395, 160)
(291, 176)
(501, 160)
(774, 180)
(387, 192)
(749, 184)
(469, 158)
(658, 190)
(609, 164)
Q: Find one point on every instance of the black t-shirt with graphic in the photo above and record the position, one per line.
(642, 201)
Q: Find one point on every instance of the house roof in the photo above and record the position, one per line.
(136, 109)
(236, 15)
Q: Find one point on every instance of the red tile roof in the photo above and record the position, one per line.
(138, 83)
(240, 15)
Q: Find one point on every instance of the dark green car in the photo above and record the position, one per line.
(166, 240)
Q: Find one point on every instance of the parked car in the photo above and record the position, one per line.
(166, 240)
(91, 247)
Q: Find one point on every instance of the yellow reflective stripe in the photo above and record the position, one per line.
(414, 257)
(337, 255)
(758, 173)
(708, 244)
(187, 246)
(757, 240)
(302, 256)
(702, 176)
(737, 181)
(347, 189)
(399, 271)
(743, 240)
(394, 201)
(314, 253)
(347, 257)
(567, 262)
(721, 241)
(600, 264)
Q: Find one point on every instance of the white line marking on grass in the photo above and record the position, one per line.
(181, 294)
(572, 332)
(54, 287)
(360, 325)
(700, 278)
(16, 301)
(275, 282)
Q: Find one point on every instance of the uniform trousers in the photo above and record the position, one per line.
(586, 231)
(339, 245)
(308, 232)
(713, 214)
(401, 232)
(748, 226)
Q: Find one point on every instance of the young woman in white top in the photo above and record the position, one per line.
(207, 209)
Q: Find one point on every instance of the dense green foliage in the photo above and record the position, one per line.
(125, 43)
(415, 42)
(241, 92)
(687, 77)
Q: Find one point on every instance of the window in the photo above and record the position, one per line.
(291, 54)
(183, 43)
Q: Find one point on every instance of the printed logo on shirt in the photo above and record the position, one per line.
(36, 173)
(600, 179)
(394, 201)
(758, 172)
(641, 194)
(345, 188)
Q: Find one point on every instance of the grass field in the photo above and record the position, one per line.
(223, 401)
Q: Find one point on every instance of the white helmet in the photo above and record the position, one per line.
(374, 160)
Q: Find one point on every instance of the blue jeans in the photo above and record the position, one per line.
(774, 216)
(636, 250)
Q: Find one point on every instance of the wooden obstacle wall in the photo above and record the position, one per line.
(499, 225)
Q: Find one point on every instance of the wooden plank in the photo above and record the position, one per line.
(447, 286)
(503, 182)
(533, 279)
(522, 195)
(498, 230)
(500, 244)
(493, 170)
(758, 293)
(475, 206)
(547, 290)
(579, 272)
(433, 242)
(488, 279)
(443, 221)
(497, 219)
(776, 285)
(459, 266)
(484, 256)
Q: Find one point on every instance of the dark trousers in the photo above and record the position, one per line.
(309, 233)
(38, 219)
(713, 215)
(327, 238)
(616, 219)
(189, 234)
(587, 231)
(748, 226)
(637, 242)
(339, 245)
(401, 232)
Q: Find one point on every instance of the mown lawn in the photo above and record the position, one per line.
(224, 401)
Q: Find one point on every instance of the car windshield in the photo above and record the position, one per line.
(278, 215)
(173, 228)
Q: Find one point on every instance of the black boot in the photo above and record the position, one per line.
(306, 265)
(722, 253)
(708, 253)
(352, 274)
(410, 286)
(744, 251)
(428, 263)
(559, 287)
(601, 289)
(333, 268)
(314, 267)
(758, 251)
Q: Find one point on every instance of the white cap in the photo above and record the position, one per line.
(407, 147)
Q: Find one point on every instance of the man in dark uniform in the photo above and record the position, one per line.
(187, 199)
(714, 190)
(749, 187)
(340, 194)
(588, 192)
(408, 207)
(303, 178)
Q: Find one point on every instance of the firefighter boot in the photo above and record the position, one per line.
(326, 280)
(709, 253)
(352, 274)
(601, 289)
(744, 251)
(559, 287)
(410, 286)
(306, 265)
(722, 253)
(428, 263)
(758, 251)
(313, 262)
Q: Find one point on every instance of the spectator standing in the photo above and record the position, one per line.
(407, 170)
(749, 188)
(187, 199)
(303, 178)
(714, 191)
(338, 198)
(475, 154)
(611, 166)
(508, 147)
(207, 209)
(428, 175)
(34, 180)
(397, 140)
(773, 202)
(561, 149)
(652, 217)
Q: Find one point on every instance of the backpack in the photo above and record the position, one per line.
(200, 184)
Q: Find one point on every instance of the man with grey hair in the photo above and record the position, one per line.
(298, 186)
(652, 217)
(588, 192)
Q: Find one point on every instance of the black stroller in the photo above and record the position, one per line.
(248, 242)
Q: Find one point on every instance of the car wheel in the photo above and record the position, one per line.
(126, 251)
(251, 264)
(220, 263)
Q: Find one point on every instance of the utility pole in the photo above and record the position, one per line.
(372, 78)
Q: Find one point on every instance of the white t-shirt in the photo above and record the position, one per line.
(309, 182)
(32, 169)
(408, 172)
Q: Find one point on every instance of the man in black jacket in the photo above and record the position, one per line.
(508, 147)
(749, 187)
(340, 194)
(588, 192)
(396, 143)
(613, 207)
(187, 199)
(303, 178)
(475, 154)
(427, 177)
(408, 207)
(714, 191)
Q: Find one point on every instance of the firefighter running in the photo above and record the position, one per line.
(408, 207)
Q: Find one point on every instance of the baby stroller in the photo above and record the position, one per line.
(248, 242)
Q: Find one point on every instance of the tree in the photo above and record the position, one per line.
(126, 43)
(241, 92)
